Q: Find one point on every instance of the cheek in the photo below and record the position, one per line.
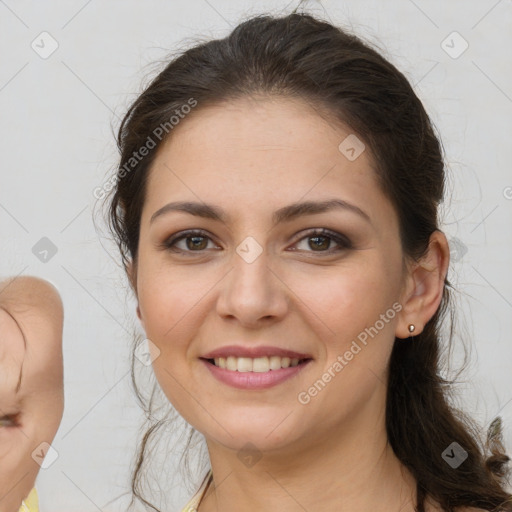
(171, 301)
(345, 300)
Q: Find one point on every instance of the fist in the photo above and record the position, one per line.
(31, 381)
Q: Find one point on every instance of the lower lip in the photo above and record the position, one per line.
(254, 380)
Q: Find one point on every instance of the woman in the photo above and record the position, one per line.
(276, 212)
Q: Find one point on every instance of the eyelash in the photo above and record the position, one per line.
(341, 240)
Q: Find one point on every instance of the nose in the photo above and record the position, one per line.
(253, 293)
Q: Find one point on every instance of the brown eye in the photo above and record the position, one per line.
(194, 241)
(321, 241)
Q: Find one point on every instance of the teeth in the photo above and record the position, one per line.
(275, 362)
(258, 364)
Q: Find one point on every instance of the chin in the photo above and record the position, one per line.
(252, 435)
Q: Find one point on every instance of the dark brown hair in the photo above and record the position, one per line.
(347, 81)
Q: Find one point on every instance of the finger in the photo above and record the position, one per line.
(12, 354)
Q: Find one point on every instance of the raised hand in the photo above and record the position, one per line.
(31, 382)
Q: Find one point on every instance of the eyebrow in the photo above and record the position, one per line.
(284, 214)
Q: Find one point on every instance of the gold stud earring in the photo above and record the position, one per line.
(411, 328)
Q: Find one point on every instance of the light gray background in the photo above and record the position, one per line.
(57, 146)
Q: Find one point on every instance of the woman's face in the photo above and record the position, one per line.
(256, 278)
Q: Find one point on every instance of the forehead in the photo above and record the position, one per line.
(266, 124)
(269, 151)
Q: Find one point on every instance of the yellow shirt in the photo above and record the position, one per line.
(193, 503)
(31, 502)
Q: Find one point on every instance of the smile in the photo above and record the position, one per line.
(257, 364)
(257, 373)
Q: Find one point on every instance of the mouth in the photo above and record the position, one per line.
(257, 364)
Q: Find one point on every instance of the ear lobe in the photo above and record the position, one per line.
(424, 287)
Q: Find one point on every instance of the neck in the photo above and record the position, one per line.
(352, 469)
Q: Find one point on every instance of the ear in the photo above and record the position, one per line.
(424, 285)
(131, 272)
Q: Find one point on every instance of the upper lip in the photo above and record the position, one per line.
(252, 352)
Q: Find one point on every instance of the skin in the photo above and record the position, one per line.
(31, 321)
(252, 157)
